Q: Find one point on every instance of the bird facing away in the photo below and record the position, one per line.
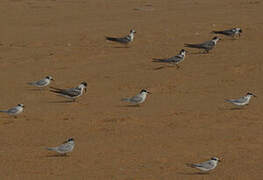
(230, 32)
(43, 82)
(14, 110)
(241, 101)
(207, 46)
(173, 60)
(71, 93)
(64, 148)
(138, 99)
(123, 40)
(205, 166)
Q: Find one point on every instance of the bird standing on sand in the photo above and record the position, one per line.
(205, 166)
(14, 110)
(241, 101)
(173, 60)
(207, 46)
(230, 32)
(64, 148)
(123, 40)
(71, 93)
(43, 82)
(138, 99)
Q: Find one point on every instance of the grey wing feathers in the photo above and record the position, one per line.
(58, 89)
(173, 59)
(12, 110)
(240, 100)
(205, 45)
(133, 99)
(41, 82)
(207, 165)
(51, 148)
(64, 147)
(228, 32)
(136, 99)
(120, 40)
(69, 92)
(125, 99)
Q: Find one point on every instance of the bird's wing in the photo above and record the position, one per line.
(57, 89)
(173, 59)
(240, 100)
(64, 147)
(136, 98)
(201, 45)
(41, 82)
(72, 92)
(206, 165)
(125, 39)
(225, 32)
(12, 110)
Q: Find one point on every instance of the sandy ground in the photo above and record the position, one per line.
(184, 120)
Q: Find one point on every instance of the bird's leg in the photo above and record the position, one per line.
(177, 66)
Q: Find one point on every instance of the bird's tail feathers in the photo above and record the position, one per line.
(157, 60)
(58, 89)
(30, 83)
(190, 165)
(192, 45)
(55, 91)
(51, 148)
(217, 32)
(3, 111)
(125, 99)
(111, 38)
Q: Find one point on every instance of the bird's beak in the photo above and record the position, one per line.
(254, 95)
(52, 79)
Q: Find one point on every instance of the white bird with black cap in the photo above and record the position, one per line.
(64, 148)
(43, 82)
(14, 110)
(123, 40)
(230, 32)
(137, 99)
(173, 60)
(207, 46)
(205, 166)
(244, 100)
(71, 93)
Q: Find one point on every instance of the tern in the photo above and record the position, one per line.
(173, 60)
(207, 165)
(14, 110)
(230, 32)
(64, 148)
(138, 99)
(71, 93)
(43, 82)
(241, 101)
(207, 46)
(123, 40)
